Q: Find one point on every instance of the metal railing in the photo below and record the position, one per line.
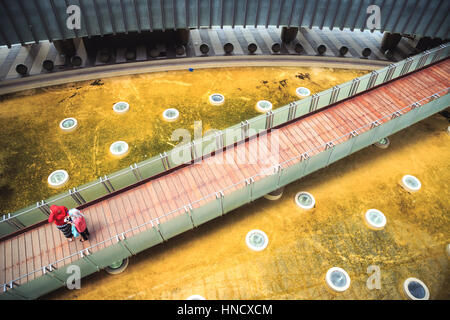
(107, 184)
(274, 172)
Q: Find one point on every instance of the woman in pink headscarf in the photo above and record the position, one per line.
(57, 215)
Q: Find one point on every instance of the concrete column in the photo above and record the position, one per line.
(390, 41)
(65, 47)
(275, 195)
(423, 43)
(183, 36)
(288, 34)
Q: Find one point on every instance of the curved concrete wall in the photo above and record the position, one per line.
(24, 21)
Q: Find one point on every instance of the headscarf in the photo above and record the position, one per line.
(57, 214)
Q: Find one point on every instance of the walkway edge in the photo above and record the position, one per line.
(125, 69)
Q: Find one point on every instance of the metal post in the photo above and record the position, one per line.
(250, 183)
(314, 101)
(164, 160)
(353, 135)
(89, 260)
(244, 129)
(390, 72)
(219, 140)
(188, 210)
(406, 66)
(122, 244)
(159, 231)
(219, 196)
(136, 172)
(104, 184)
(279, 168)
(437, 54)
(51, 274)
(193, 151)
(329, 145)
(335, 94)
(43, 207)
(422, 59)
(269, 119)
(354, 87)
(74, 197)
(13, 222)
(372, 79)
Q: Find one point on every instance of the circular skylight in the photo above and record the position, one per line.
(416, 289)
(338, 279)
(195, 297)
(302, 92)
(68, 124)
(375, 219)
(411, 183)
(117, 267)
(58, 178)
(121, 107)
(257, 240)
(171, 114)
(263, 106)
(119, 148)
(383, 143)
(305, 200)
(216, 99)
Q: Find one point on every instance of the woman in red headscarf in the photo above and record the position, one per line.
(58, 215)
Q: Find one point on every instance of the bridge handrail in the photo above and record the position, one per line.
(276, 166)
(156, 165)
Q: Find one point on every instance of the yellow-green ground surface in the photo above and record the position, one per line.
(32, 145)
(214, 261)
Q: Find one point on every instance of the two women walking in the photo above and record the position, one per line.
(69, 222)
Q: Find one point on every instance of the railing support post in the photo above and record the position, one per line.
(45, 209)
(136, 172)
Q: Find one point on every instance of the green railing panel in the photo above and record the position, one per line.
(39, 286)
(122, 178)
(92, 191)
(6, 229)
(292, 173)
(265, 185)
(62, 199)
(258, 123)
(236, 198)
(64, 272)
(364, 139)
(143, 240)
(176, 226)
(280, 115)
(383, 131)
(344, 90)
(107, 256)
(31, 215)
(363, 81)
(206, 212)
(151, 167)
(318, 161)
(407, 119)
(302, 107)
(324, 99)
(381, 75)
(180, 155)
(341, 150)
(232, 134)
(208, 145)
(433, 107)
(414, 64)
(398, 69)
(11, 294)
